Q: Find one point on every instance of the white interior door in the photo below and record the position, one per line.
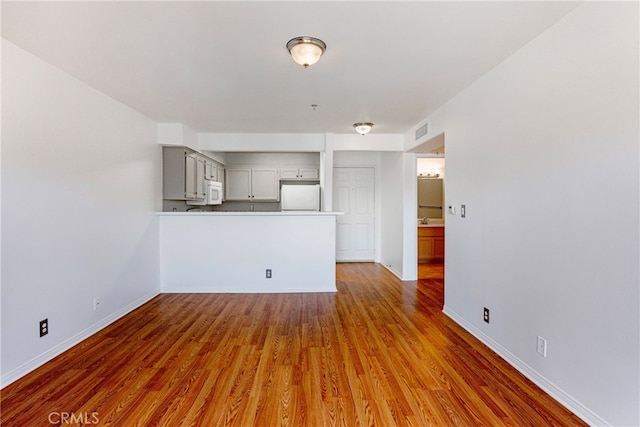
(353, 194)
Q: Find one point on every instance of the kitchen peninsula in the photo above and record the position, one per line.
(235, 252)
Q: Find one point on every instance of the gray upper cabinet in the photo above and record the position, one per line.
(256, 184)
(182, 174)
(238, 184)
(292, 174)
(264, 184)
(200, 169)
(210, 170)
(190, 186)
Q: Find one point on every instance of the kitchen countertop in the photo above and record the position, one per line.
(250, 213)
(430, 225)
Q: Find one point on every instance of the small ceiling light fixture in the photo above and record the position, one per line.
(363, 128)
(306, 50)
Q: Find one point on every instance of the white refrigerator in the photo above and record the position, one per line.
(300, 197)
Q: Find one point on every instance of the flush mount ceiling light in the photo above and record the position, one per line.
(363, 128)
(306, 50)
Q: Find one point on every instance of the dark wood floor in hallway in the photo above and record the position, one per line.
(379, 352)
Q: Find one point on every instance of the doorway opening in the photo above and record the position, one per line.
(430, 202)
(430, 186)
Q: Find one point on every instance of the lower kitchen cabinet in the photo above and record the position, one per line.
(430, 244)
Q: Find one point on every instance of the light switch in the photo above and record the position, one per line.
(452, 209)
(463, 211)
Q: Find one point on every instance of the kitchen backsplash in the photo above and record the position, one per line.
(181, 206)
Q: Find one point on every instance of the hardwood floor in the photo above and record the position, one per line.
(429, 270)
(379, 352)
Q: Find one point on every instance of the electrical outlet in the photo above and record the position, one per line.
(485, 315)
(44, 327)
(96, 303)
(541, 347)
(268, 274)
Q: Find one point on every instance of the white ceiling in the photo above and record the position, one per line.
(223, 66)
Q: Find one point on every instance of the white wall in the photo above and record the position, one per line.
(369, 142)
(177, 134)
(391, 213)
(409, 218)
(262, 142)
(233, 251)
(81, 183)
(272, 159)
(430, 141)
(432, 165)
(544, 152)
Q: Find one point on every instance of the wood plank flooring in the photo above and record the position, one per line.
(379, 352)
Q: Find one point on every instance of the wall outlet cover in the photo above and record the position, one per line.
(44, 327)
(541, 347)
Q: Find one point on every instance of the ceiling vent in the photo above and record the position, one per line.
(422, 131)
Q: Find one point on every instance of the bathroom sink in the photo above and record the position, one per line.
(434, 221)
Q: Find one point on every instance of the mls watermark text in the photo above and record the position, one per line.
(83, 418)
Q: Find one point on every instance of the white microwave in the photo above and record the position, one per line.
(212, 194)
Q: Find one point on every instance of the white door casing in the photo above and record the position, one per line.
(353, 194)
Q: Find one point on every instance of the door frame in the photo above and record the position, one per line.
(423, 155)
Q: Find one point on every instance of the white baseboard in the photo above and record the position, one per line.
(40, 360)
(551, 389)
(558, 394)
(395, 273)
